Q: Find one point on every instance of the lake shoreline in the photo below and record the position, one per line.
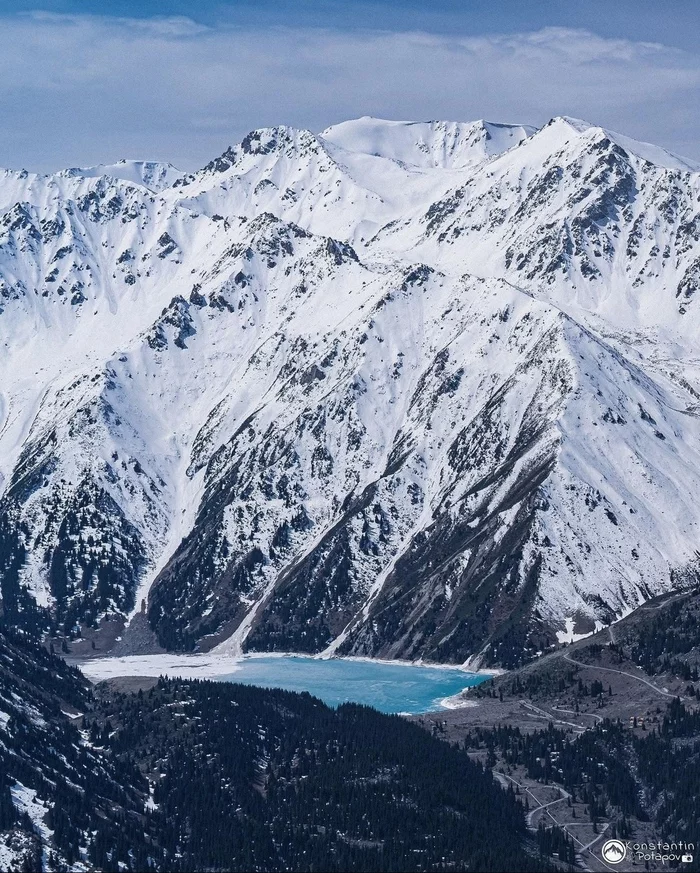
(391, 686)
(217, 661)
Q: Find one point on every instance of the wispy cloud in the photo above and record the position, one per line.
(79, 89)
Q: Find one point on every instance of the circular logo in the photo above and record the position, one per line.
(614, 851)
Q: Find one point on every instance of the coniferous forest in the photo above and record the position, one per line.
(619, 774)
(198, 775)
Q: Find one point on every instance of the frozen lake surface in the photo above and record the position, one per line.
(389, 687)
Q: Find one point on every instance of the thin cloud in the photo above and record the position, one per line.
(78, 89)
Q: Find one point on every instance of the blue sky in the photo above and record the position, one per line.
(180, 80)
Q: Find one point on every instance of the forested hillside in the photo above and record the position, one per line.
(189, 775)
(626, 778)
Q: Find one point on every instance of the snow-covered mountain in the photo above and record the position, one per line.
(155, 175)
(400, 390)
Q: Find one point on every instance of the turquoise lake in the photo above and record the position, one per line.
(388, 687)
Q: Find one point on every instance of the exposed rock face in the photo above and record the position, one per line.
(395, 390)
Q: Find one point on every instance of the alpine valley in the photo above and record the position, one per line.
(397, 390)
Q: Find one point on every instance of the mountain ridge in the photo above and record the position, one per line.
(322, 399)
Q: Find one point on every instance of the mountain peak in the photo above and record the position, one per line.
(645, 151)
(264, 141)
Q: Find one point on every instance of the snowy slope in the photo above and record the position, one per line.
(406, 390)
(432, 144)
